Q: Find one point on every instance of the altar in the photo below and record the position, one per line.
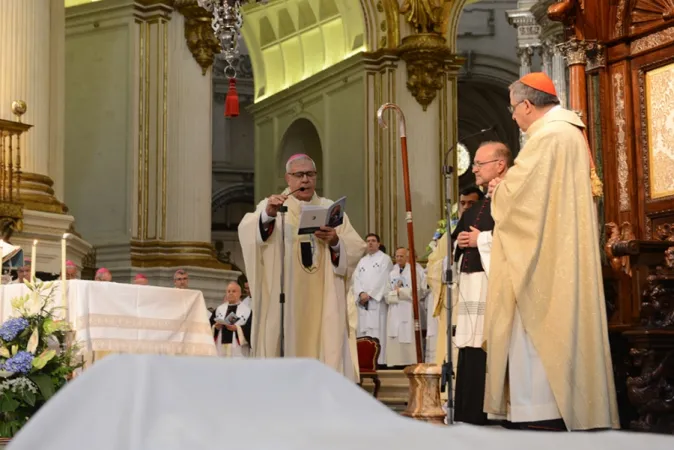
(125, 318)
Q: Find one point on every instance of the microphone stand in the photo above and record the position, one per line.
(282, 295)
(448, 368)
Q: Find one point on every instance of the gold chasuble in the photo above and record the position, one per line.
(316, 314)
(545, 262)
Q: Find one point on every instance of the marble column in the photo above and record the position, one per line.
(32, 69)
(545, 52)
(32, 34)
(559, 74)
(524, 54)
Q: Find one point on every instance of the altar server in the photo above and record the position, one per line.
(231, 323)
(400, 341)
(370, 283)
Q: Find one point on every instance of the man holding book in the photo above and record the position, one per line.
(231, 323)
(317, 269)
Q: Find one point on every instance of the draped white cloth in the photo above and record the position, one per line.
(127, 318)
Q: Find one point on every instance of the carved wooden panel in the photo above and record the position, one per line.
(652, 84)
(650, 14)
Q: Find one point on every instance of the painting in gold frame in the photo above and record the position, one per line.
(660, 119)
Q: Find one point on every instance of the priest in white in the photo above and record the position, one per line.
(231, 324)
(370, 284)
(317, 272)
(400, 342)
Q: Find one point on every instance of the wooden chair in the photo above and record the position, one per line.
(369, 349)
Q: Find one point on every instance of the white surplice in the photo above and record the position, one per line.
(239, 347)
(372, 277)
(400, 339)
(472, 299)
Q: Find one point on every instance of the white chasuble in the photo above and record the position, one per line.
(372, 277)
(401, 348)
(316, 320)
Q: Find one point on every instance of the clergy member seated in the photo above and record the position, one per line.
(317, 269)
(400, 337)
(72, 273)
(23, 272)
(103, 274)
(141, 280)
(231, 323)
(181, 279)
(370, 284)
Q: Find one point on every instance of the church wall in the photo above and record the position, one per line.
(334, 102)
(98, 145)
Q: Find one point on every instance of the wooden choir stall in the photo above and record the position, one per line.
(620, 55)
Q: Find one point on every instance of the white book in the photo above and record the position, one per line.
(313, 217)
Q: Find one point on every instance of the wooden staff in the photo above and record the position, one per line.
(408, 216)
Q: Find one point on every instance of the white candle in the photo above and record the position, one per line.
(33, 261)
(64, 299)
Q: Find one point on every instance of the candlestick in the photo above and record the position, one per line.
(33, 261)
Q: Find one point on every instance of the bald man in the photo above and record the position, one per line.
(231, 323)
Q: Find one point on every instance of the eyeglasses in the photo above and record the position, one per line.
(300, 175)
(478, 165)
(511, 108)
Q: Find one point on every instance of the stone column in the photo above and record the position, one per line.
(559, 73)
(545, 52)
(32, 69)
(524, 54)
(32, 33)
(148, 207)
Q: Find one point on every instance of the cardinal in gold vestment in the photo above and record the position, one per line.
(318, 269)
(545, 291)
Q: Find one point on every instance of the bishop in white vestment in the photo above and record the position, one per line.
(400, 342)
(317, 272)
(370, 284)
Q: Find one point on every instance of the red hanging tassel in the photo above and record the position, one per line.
(232, 100)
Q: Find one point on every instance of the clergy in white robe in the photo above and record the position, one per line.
(231, 324)
(317, 272)
(400, 342)
(370, 284)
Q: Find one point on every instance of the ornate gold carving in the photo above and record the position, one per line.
(427, 16)
(618, 29)
(199, 36)
(157, 253)
(392, 37)
(621, 139)
(655, 84)
(428, 58)
(616, 234)
(596, 56)
(653, 40)
(574, 52)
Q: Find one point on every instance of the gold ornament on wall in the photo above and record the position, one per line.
(198, 33)
(426, 53)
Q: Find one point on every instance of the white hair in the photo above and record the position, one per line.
(298, 159)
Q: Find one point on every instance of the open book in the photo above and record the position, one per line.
(313, 217)
(231, 319)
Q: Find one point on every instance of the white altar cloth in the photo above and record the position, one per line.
(126, 318)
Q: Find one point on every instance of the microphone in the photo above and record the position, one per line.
(482, 131)
(302, 189)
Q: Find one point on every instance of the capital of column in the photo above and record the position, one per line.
(596, 56)
(525, 54)
(528, 30)
(575, 52)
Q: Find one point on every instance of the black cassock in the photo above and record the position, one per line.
(472, 364)
(225, 334)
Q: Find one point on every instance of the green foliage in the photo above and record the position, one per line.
(35, 361)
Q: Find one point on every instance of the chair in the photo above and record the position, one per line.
(369, 349)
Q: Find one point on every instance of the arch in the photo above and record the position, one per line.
(300, 137)
(291, 40)
(239, 192)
